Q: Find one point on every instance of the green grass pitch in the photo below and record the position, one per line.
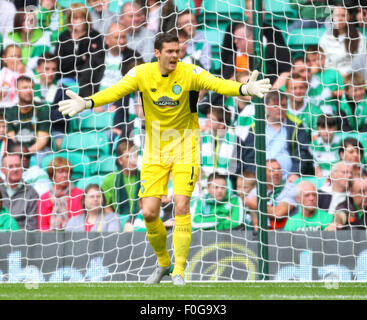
(192, 291)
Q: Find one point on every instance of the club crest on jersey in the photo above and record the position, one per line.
(176, 89)
(166, 102)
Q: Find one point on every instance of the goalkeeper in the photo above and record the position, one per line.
(169, 92)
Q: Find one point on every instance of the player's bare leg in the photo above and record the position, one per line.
(181, 237)
(157, 236)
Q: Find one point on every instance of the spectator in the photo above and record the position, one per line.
(119, 59)
(325, 84)
(335, 191)
(80, 48)
(218, 143)
(245, 183)
(325, 147)
(28, 122)
(237, 56)
(351, 214)
(298, 106)
(286, 140)
(139, 37)
(31, 39)
(197, 46)
(12, 69)
(277, 54)
(18, 197)
(81, 57)
(299, 67)
(63, 201)
(51, 19)
(94, 217)
(32, 175)
(342, 42)
(353, 105)
(7, 13)
(219, 209)
(312, 14)
(102, 17)
(351, 151)
(161, 17)
(121, 187)
(45, 86)
(183, 39)
(309, 217)
(281, 199)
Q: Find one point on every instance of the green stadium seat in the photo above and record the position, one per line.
(223, 10)
(279, 10)
(317, 181)
(96, 121)
(93, 144)
(81, 163)
(105, 165)
(300, 39)
(220, 25)
(215, 39)
(185, 4)
(67, 3)
(84, 182)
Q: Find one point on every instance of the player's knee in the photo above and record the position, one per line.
(149, 214)
(182, 207)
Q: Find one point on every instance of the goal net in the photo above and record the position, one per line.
(70, 204)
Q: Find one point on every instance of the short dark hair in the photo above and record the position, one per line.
(275, 95)
(123, 146)
(325, 121)
(222, 114)
(216, 175)
(47, 57)
(96, 187)
(24, 78)
(351, 142)
(19, 148)
(164, 38)
(314, 49)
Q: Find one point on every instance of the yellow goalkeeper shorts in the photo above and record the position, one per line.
(154, 179)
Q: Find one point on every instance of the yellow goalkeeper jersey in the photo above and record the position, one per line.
(170, 107)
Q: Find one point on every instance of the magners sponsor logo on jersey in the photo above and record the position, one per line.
(166, 102)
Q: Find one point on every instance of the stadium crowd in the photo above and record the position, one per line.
(316, 119)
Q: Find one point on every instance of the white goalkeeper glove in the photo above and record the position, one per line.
(256, 87)
(74, 105)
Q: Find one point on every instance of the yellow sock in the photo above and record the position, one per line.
(157, 236)
(181, 242)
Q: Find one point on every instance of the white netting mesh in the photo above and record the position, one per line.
(316, 117)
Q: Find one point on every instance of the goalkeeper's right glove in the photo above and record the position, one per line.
(74, 105)
(256, 88)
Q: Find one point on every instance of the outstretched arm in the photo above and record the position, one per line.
(76, 104)
(253, 87)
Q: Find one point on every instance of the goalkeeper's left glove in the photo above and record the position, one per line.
(74, 105)
(256, 87)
